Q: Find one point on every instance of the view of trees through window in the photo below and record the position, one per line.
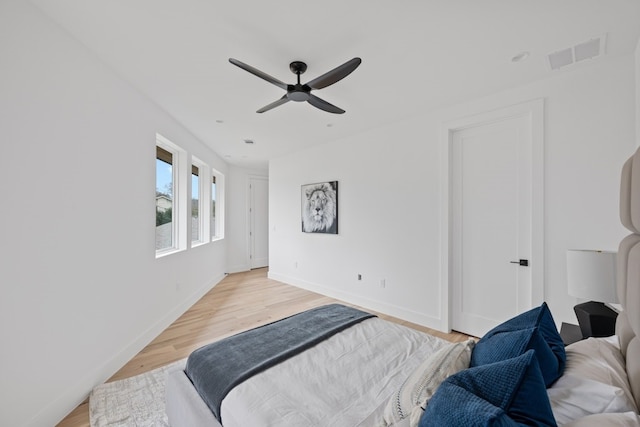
(164, 199)
(195, 204)
(178, 214)
(213, 207)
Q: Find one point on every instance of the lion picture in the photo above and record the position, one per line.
(320, 208)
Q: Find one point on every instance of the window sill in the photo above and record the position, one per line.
(197, 244)
(164, 252)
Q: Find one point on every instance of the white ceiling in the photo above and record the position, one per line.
(416, 55)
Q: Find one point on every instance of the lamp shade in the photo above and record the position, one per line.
(592, 275)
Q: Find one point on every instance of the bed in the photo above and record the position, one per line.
(375, 373)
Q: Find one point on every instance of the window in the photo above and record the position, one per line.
(170, 206)
(217, 207)
(199, 202)
(189, 200)
(195, 205)
(213, 207)
(164, 199)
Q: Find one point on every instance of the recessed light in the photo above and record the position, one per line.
(520, 57)
(329, 125)
(219, 121)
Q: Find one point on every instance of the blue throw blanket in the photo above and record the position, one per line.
(218, 367)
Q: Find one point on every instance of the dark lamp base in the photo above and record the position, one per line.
(596, 319)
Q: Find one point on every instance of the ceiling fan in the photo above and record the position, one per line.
(302, 92)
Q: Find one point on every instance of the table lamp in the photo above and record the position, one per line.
(592, 275)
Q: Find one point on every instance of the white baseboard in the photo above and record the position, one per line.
(78, 392)
(368, 303)
(238, 268)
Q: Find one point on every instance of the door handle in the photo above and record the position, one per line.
(522, 262)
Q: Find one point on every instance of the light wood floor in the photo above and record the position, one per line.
(239, 302)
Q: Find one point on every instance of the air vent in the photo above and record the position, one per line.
(589, 49)
(561, 58)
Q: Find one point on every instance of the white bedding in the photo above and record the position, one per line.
(328, 385)
(594, 381)
(336, 390)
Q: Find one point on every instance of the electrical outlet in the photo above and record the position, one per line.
(383, 283)
(359, 277)
(295, 264)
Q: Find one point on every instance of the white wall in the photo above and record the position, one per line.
(82, 291)
(390, 194)
(238, 217)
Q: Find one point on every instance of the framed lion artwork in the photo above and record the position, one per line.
(320, 207)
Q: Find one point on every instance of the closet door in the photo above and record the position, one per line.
(491, 223)
(259, 221)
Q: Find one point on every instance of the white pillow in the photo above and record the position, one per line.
(412, 397)
(627, 419)
(594, 381)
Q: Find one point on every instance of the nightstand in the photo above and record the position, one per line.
(570, 333)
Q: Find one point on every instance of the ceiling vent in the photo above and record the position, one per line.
(590, 49)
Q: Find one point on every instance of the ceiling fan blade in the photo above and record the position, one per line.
(258, 73)
(324, 105)
(335, 75)
(274, 104)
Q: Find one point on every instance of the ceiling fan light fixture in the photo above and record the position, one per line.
(298, 95)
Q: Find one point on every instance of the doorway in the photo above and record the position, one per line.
(258, 222)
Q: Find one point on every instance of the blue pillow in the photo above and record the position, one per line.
(506, 393)
(531, 330)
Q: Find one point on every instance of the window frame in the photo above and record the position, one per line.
(218, 233)
(179, 188)
(203, 201)
(182, 177)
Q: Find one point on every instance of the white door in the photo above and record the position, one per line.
(259, 221)
(491, 223)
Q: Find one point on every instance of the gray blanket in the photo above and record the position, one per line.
(218, 367)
